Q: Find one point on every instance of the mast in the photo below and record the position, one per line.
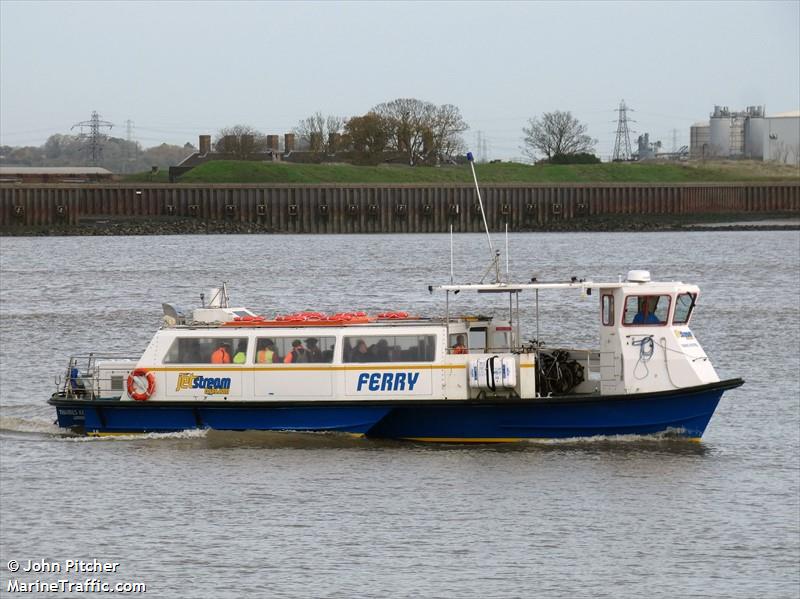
(494, 259)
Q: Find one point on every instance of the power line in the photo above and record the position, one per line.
(482, 148)
(94, 139)
(622, 144)
(129, 146)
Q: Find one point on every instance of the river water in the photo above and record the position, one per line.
(210, 514)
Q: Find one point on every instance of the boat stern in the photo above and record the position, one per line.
(68, 416)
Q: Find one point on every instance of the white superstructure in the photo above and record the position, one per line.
(644, 345)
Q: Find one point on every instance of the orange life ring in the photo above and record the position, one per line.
(151, 384)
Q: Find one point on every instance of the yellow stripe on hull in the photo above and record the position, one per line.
(297, 368)
(421, 439)
(516, 439)
(468, 439)
(127, 434)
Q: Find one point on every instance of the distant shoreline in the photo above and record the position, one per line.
(597, 224)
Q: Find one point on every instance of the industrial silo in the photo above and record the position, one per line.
(754, 131)
(720, 124)
(699, 140)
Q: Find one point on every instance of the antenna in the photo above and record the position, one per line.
(94, 139)
(508, 275)
(451, 253)
(494, 261)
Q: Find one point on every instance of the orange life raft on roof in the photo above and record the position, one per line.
(316, 319)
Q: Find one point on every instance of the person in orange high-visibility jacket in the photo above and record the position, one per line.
(222, 355)
(459, 347)
(298, 353)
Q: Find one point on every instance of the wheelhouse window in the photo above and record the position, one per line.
(207, 350)
(389, 348)
(608, 310)
(294, 350)
(477, 339)
(458, 343)
(684, 304)
(641, 310)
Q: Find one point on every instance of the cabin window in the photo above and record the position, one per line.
(390, 348)
(294, 350)
(641, 310)
(608, 310)
(458, 343)
(477, 339)
(499, 339)
(207, 350)
(684, 304)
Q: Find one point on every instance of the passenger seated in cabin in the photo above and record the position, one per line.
(360, 353)
(241, 353)
(347, 350)
(647, 310)
(380, 351)
(266, 351)
(313, 350)
(459, 347)
(298, 354)
(222, 355)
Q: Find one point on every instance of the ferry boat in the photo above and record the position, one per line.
(401, 376)
(398, 376)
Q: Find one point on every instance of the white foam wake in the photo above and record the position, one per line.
(194, 433)
(16, 424)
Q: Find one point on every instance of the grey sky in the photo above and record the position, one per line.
(185, 68)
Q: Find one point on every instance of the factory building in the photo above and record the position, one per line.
(749, 134)
(54, 174)
(781, 137)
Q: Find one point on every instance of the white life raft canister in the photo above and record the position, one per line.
(492, 373)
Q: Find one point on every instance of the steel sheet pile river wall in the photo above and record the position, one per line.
(383, 208)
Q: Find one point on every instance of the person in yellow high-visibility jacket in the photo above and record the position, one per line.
(266, 352)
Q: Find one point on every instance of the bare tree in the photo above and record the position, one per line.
(421, 130)
(318, 133)
(447, 127)
(794, 150)
(785, 153)
(407, 122)
(556, 133)
(240, 141)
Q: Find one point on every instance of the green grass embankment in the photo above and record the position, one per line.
(227, 171)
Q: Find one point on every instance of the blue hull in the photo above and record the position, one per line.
(683, 415)
(116, 417)
(685, 412)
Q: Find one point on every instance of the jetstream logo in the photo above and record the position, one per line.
(211, 385)
(387, 381)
